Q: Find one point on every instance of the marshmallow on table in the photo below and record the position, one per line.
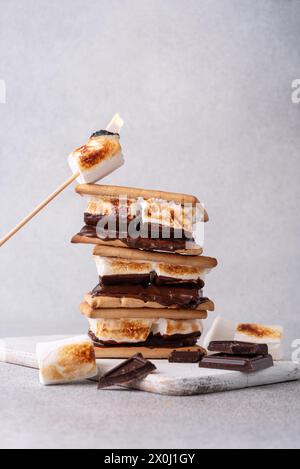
(67, 360)
(221, 329)
(260, 334)
(100, 156)
(224, 330)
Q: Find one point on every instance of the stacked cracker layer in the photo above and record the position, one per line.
(151, 273)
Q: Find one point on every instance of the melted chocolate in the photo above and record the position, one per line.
(133, 279)
(168, 245)
(147, 279)
(184, 297)
(158, 340)
(162, 280)
(157, 231)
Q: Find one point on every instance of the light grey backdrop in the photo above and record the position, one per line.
(205, 89)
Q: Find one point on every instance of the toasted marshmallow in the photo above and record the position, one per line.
(109, 205)
(138, 330)
(167, 214)
(221, 329)
(99, 157)
(260, 334)
(100, 206)
(66, 360)
(171, 326)
(121, 330)
(180, 272)
(117, 266)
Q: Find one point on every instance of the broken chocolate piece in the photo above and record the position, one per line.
(188, 356)
(132, 369)
(238, 348)
(243, 363)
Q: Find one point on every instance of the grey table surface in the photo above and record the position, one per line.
(79, 416)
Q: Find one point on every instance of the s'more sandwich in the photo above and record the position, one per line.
(131, 278)
(140, 219)
(151, 274)
(150, 300)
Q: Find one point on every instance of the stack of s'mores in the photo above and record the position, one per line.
(151, 272)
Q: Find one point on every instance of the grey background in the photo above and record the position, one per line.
(205, 89)
(79, 416)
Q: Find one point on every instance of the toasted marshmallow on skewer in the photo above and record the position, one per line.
(260, 334)
(67, 360)
(101, 155)
(95, 160)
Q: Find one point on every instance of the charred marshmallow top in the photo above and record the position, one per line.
(99, 157)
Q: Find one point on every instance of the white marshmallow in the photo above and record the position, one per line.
(94, 172)
(168, 214)
(121, 330)
(221, 329)
(260, 334)
(180, 272)
(116, 266)
(99, 171)
(171, 326)
(67, 360)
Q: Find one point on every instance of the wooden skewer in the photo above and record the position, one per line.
(114, 126)
(39, 208)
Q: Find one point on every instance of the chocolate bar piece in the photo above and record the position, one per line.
(132, 369)
(238, 348)
(188, 356)
(243, 363)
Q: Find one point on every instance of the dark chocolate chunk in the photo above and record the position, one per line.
(238, 348)
(132, 369)
(243, 363)
(132, 279)
(101, 133)
(186, 356)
